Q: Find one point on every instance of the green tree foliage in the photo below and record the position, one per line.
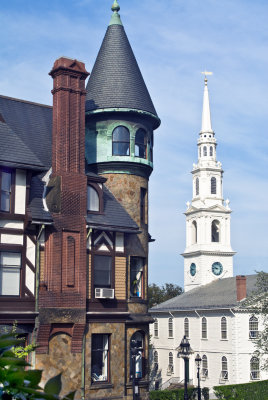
(178, 394)
(158, 294)
(245, 391)
(257, 303)
(19, 383)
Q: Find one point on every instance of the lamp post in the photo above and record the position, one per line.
(198, 364)
(184, 350)
(135, 350)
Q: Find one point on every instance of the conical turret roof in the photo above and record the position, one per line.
(116, 81)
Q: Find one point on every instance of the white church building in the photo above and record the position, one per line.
(208, 313)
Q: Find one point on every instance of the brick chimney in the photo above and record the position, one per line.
(62, 299)
(241, 287)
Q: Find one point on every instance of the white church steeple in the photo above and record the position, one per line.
(208, 254)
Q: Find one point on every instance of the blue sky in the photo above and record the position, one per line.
(173, 42)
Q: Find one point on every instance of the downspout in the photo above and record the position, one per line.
(84, 349)
(83, 365)
(37, 275)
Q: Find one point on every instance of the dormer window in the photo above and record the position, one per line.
(141, 143)
(121, 141)
(93, 200)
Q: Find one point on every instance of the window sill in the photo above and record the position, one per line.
(104, 385)
(204, 339)
(224, 340)
(171, 337)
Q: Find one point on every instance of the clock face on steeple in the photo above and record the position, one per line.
(193, 269)
(217, 268)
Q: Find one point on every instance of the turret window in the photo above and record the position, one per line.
(211, 151)
(213, 183)
(121, 140)
(215, 231)
(141, 143)
(205, 153)
(197, 186)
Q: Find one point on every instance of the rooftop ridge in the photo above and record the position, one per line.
(25, 101)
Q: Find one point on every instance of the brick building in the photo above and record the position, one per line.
(74, 221)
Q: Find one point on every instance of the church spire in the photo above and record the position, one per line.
(206, 119)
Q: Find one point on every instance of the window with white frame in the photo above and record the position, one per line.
(155, 361)
(211, 151)
(205, 153)
(197, 186)
(170, 327)
(215, 231)
(5, 190)
(254, 368)
(170, 363)
(224, 368)
(213, 184)
(194, 232)
(186, 327)
(100, 358)
(10, 271)
(156, 328)
(93, 201)
(204, 333)
(224, 328)
(204, 369)
(253, 327)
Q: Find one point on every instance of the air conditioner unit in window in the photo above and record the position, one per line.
(104, 293)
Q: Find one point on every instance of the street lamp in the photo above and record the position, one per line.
(198, 361)
(135, 350)
(184, 350)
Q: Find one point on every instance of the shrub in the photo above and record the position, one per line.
(175, 394)
(244, 391)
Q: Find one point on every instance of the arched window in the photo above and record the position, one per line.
(253, 327)
(199, 151)
(137, 355)
(215, 231)
(205, 153)
(254, 368)
(156, 328)
(213, 183)
(121, 141)
(224, 368)
(170, 363)
(204, 370)
(204, 328)
(155, 360)
(93, 201)
(197, 186)
(224, 328)
(170, 327)
(140, 143)
(194, 232)
(211, 151)
(186, 328)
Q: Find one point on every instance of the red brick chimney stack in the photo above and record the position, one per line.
(62, 300)
(241, 287)
(68, 144)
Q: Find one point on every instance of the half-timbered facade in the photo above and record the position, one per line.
(74, 221)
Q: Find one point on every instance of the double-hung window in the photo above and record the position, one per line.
(253, 327)
(100, 358)
(5, 185)
(102, 271)
(10, 271)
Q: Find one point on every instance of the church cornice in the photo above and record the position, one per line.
(208, 252)
(207, 210)
(212, 169)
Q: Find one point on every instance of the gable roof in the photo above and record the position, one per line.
(220, 293)
(114, 217)
(116, 80)
(25, 134)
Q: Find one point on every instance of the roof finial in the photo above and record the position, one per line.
(115, 6)
(206, 120)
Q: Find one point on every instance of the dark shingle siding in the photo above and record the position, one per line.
(116, 80)
(31, 124)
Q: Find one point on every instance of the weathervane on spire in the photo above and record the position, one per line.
(206, 73)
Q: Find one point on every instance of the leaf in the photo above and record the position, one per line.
(53, 386)
(34, 377)
(8, 361)
(69, 396)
